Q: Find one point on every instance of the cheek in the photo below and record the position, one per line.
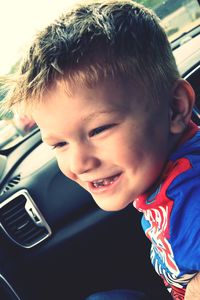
(63, 166)
(139, 150)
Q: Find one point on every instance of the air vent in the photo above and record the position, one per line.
(11, 183)
(22, 221)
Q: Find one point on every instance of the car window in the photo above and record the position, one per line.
(16, 30)
(177, 17)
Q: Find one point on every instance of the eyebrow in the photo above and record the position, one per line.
(48, 138)
(89, 117)
(95, 114)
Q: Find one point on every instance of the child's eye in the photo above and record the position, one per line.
(59, 145)
(100, 129)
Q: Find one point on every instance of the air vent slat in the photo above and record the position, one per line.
(17, 220)
(14, 214)
(26, 231)
(11, 183)
(10, 209)
(23, 229)
(19, 224)
(35, 235)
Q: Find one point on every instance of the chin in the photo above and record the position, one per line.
(106, 205)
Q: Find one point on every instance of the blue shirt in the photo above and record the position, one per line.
(171, 216)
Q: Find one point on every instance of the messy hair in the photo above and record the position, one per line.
(96, 41)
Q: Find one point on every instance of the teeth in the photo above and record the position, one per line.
(98, 183)
(103, 182)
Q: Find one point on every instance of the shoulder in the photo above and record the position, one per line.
(185, 165)
(183, 180)
(184, 191)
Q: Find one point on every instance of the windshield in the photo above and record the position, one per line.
(21, 19)
(177, 17)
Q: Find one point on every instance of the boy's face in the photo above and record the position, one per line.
(110, 140)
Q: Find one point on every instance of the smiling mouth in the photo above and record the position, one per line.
(105, 181)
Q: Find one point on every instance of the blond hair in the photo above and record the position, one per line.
(95, 41)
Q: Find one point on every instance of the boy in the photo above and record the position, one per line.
(102, 84)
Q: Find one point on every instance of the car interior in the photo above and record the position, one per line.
(55, 243)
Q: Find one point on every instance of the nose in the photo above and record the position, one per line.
(82, 159)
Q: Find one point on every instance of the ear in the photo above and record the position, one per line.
(183, 98)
